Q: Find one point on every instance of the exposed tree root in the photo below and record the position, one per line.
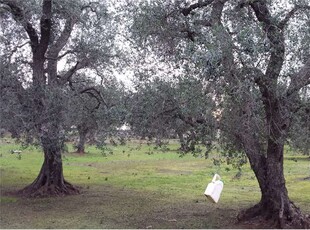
(250, 213)
(288, 216)
(48, 190)
(296, 219)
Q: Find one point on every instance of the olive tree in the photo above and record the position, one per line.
(256, 55)
(182, 107)
(45, 43)
(96, 110)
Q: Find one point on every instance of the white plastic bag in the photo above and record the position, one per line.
(214, 189)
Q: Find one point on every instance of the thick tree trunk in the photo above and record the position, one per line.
(46, 110)
(267, 164)
(275, 204)
(50, 181)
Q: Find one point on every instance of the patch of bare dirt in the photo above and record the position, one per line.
(117, 207)
(254, 223)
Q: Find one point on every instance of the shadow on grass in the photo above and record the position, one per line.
(299, 158)
(114, 207)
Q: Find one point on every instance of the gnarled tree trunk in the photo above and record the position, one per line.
(50, 181)
(275, 204)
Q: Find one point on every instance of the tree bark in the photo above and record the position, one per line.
(82, 140)
(50, 181)
(275, 204)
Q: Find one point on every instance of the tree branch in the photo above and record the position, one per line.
(276, 38)
(206, 23)
(15, 49)
(217, 11)
(51, 55)
(63, 39)
(89, 6)
(224, 37)
(259, 78)
(166, 112)
(200, 4)
(19, 17)
(300, 79)
(55, 48)
(65, 53)
(261, 11)
(190, 120)
(45, 25)
(253, 71)
(291, 13)
(93, 92)
(68, 75)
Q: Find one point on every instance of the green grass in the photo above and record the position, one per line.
(135, 189)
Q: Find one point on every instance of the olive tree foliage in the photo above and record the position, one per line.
(255, 54)
(300, 130)
(96, 111)
(44, 44)
(182, 109)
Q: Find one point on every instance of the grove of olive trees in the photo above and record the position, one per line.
(231, 73)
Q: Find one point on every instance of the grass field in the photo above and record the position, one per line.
(136, 188)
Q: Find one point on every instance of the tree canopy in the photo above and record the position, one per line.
(232, 72)
(249, 52)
